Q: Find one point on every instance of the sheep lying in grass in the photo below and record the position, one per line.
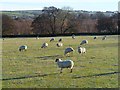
(52, 39)
(23, 48)
(81, 49)
(68, 50)
(59, 44)
(60, 40)
(65, 64)
(44, 45)
(84, 42)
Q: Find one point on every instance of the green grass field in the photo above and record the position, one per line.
(36, 67)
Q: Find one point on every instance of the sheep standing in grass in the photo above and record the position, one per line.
(59, 44)
(81, 49)
(84, 42)
(23, 48)
(73, 36)
(52, 39)
(44, 45)
(65, 64)
(60, 40)
(68, 50)
(104, 38)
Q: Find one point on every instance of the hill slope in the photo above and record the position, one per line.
(22, 14)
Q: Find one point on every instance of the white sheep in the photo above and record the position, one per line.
(52, 39)
(60, 40)
(68, 50)
(44, 45)
(81, 49)
(84, 42)
(37, 37)
(73, 36)
(104, 38)
(65, 64)
(23, 48)
(59, 44)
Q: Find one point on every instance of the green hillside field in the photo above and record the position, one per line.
(36, 67)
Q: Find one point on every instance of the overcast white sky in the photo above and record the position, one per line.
(90, 5)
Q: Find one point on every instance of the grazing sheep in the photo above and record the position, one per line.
(37, 37)
(44, 45)
(81, 49)
(60, 40)
(68, 50)
(84, 42)
(65, 64)
(95, 38)
(59, 44)
(73, 36)
(104, 38)
(23, 48)
(52, 39)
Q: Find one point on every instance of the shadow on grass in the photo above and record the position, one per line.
(25, 77)
(50, 57)
(44, 75)
(101, 74)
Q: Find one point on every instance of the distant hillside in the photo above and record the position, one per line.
(26, 14)
(31, 14)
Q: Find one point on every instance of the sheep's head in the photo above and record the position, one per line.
(79, 46)
(19, 49)
(58, 59)
(57, 44)
(60, 39)
(72, 49)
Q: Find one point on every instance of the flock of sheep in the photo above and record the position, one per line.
(64, 63)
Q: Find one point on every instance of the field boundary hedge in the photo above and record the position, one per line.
(51, 35)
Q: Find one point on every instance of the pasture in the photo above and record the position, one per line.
(36, 67)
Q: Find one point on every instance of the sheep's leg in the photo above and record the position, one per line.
(71, 71)
(61, 70)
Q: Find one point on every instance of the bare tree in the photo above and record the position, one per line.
(7, 25)
(106, 24)
(51, 13)
(23, 27)
(53, 21)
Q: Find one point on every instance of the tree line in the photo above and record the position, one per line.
(60, 21)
